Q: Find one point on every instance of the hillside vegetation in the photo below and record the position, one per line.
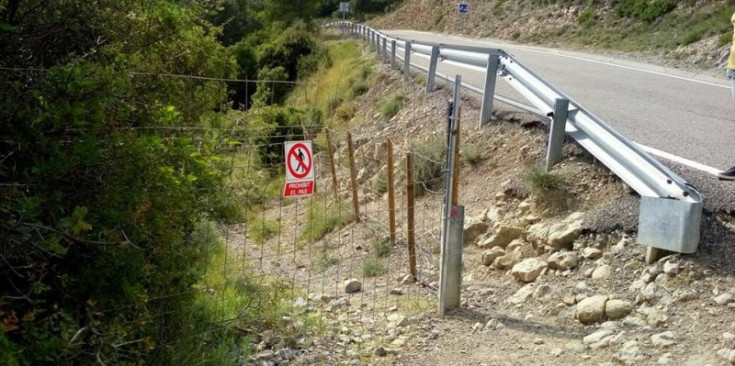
(122, 156)
(691, 32)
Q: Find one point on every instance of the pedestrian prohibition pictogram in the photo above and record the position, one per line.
(299, 169)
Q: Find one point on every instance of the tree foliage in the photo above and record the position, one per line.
(108, 164)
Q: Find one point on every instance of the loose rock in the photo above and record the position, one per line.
(489, 256)
(723, 299)
(352, 285)
(602, 272)
(504, 234)
(529, 269)
(473, 229)
(664, 339)
(591, 309)
(591, 253)
(617, 309)
(563, 260)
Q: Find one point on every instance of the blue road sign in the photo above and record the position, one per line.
(464, 8)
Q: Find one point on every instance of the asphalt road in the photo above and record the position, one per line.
(678, 112)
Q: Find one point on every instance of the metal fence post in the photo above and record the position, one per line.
(556, 133)
(393, 54)
(491, 76)
(432, 69)
(407, 62)
(450, 270)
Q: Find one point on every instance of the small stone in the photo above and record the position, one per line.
(729, 339)
(556, 352)
(664, 339)
(489, 256)
(724, 353)
(576, 347)
(617, 309)
(522, 295)
(352, 285)
(591, 309)
(724, 298)
(569, 300)
(602, 272)
(396, 291)
(563, 260)
(671, 268)
(493, 324)
(683, 295)
(629, 354)
(529, 269)
(476, 327)
(524, 206)
(599, 338)
(473, 229)
(380, 352)
(666, 359)
(591, 253)
(655, 317)
(538, 341)
(633, 322)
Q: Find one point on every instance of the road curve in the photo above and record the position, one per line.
(685, 114)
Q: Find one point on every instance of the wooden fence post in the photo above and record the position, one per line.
(353, 177)
(410, 215)
(391, 193)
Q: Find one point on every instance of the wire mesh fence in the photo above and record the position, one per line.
(278, 277)
(299, 254)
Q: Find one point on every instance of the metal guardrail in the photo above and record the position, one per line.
(671, 209)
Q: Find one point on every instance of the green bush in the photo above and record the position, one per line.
(382, 248)
(586, 18)
(428, 164)
(372, 266)
(645, 10)
(471, 153)
(541, 181)
(391, 106)
(380, 182)
(359, 88)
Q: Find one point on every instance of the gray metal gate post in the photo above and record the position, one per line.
(491, 76)
(556, 133)
(431, 77)
(450, 270)
(407, 62)
(393, 54)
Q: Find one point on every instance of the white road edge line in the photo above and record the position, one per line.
(678, 159)
(629, 68)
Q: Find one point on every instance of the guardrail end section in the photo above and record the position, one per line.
(670, 224)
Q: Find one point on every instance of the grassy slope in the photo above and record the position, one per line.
(694, 33)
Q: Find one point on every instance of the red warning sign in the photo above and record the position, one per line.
(299, 169)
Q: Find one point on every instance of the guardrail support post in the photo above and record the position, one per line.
(431, 77)
(407, 62)
(385, 49)
(556, 132)
(378, 47)
(393, 54)
(488, 95)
